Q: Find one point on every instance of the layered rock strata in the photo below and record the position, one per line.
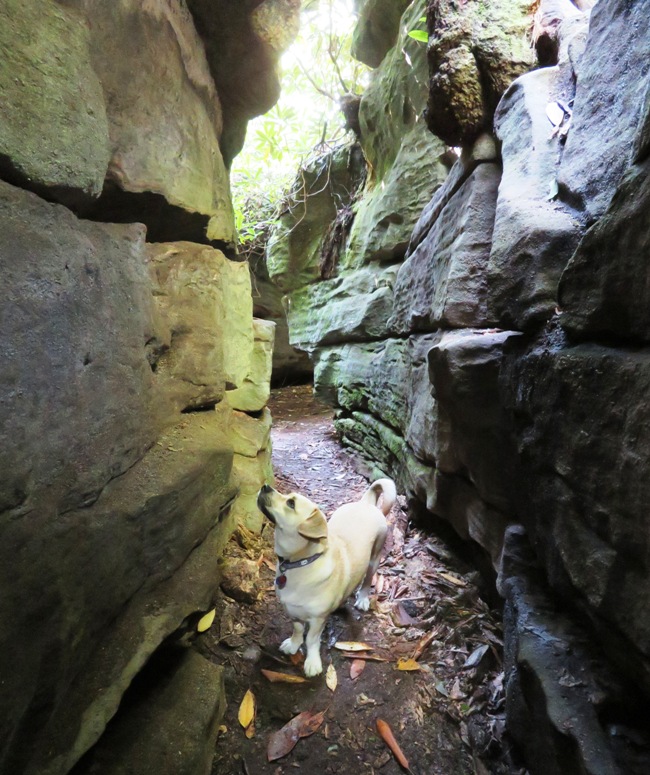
(491, 356)
(134, 385)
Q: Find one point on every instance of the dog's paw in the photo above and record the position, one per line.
(362, 602)
(313, 666)
(289, 646)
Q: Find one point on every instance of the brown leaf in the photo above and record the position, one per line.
(246, 713)
(367, 657)
(356, 668)
(456, 693)
(386, 734)
(352, 645)
(297, 659)
(401, 617)
(286, 678)
(284, 740)
(422, 645)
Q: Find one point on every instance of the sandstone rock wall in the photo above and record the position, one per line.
(484, 341)
(134, 383)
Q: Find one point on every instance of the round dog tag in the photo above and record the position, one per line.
(280, 581)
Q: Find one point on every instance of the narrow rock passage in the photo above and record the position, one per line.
(445, 709)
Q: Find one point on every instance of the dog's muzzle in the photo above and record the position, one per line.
(261, 502)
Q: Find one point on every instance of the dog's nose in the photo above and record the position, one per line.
(266, 488)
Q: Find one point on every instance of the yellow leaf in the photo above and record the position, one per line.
(405, 663)
(205, 622)
(247, 709)
(286, 678)
(331, 679)
(453, 579)
(352, 645)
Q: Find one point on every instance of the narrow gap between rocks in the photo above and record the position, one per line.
(433, 673)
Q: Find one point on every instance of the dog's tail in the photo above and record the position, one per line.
(385, 487)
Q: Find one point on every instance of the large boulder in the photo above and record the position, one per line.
(244, 42)
(352, 307)
(534, 234)
(470, 434)
(475, 51)
(290, 365)
(604, 289)
(384, 452)
(442, 283)
(556, 680)
(252, 393)
(582, 484)
(377, 29)
(53, 124)
(322, 188)
(205, 332)
(77, 388)
(170, 722)
(609, 101)
(165, 121)
(388, 379)
(107, 584)
(406, 163)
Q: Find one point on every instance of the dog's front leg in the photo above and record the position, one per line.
(292, 644)
(313, 664)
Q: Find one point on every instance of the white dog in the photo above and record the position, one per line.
(319, 563)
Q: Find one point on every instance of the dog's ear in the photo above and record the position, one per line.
(314, 527)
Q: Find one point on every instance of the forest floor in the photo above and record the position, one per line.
(433, 669)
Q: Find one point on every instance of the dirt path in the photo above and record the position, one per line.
(447, 714)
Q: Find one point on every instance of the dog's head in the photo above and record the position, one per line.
(297, 519)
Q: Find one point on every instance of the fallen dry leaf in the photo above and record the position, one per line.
(408, 664)
(250, 731)
(422, 645)
(476, 656)
(352, 645)
(284, 740)
(275, 677)
(456, 693)
(356, 668)
(331, 679)
(386, 734)
(246, 713)
(453, 579)
(366, 657)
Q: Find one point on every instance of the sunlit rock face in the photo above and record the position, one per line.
(134, 383)
(243, 43)
(493, 361)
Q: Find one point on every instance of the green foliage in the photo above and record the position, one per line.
(317, 71)
(421, 35)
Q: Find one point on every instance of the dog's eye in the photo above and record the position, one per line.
(291, 503)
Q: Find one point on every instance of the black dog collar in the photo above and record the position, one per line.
(286, 565)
